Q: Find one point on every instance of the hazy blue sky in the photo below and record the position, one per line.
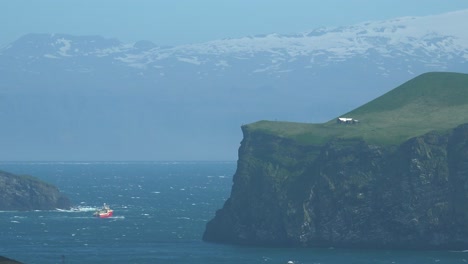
(172, 22)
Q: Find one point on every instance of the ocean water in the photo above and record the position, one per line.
(160, 212)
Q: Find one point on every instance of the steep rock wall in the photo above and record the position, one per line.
(24, 193)
(348, 193)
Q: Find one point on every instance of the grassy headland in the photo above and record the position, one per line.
(435, 101)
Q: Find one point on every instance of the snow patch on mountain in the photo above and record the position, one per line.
(191, 60)
(132, 60)
(109, 51)
(64, 46)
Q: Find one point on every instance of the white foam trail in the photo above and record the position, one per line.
(116, 217)
(77, 209)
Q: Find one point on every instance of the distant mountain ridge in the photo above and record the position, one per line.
(410, 36)
(116, 87)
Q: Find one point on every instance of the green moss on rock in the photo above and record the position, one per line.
(350, 194)
(396, 179)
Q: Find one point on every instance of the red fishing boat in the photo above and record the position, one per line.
(104, 212)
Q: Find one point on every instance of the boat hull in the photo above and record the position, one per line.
(104, 215)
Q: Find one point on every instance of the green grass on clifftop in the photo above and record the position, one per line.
(430, 102)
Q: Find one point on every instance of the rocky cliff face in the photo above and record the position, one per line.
(23, 193)
(4, 260)
(348, 193)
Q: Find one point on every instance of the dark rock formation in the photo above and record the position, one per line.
(4, 260)
(348, 193)
(23, 193)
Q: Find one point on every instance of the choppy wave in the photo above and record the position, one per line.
(113, 162)
(152, 217)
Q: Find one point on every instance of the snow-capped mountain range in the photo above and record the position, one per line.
(438, 36)
(308, 77)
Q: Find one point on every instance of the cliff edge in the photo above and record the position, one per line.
(25, 193)
(368, 184)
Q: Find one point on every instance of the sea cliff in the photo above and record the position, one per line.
(393, 173)
(348, 193)
(25, 193)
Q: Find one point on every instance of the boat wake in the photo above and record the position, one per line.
(117, 217)
(79, 209)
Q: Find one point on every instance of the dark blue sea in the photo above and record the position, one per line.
(160, 212)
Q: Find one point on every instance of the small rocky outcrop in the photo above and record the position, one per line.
(24, 193)
(348, 193)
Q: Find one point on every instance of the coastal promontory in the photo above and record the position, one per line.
(25, 193)
(392, 173)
